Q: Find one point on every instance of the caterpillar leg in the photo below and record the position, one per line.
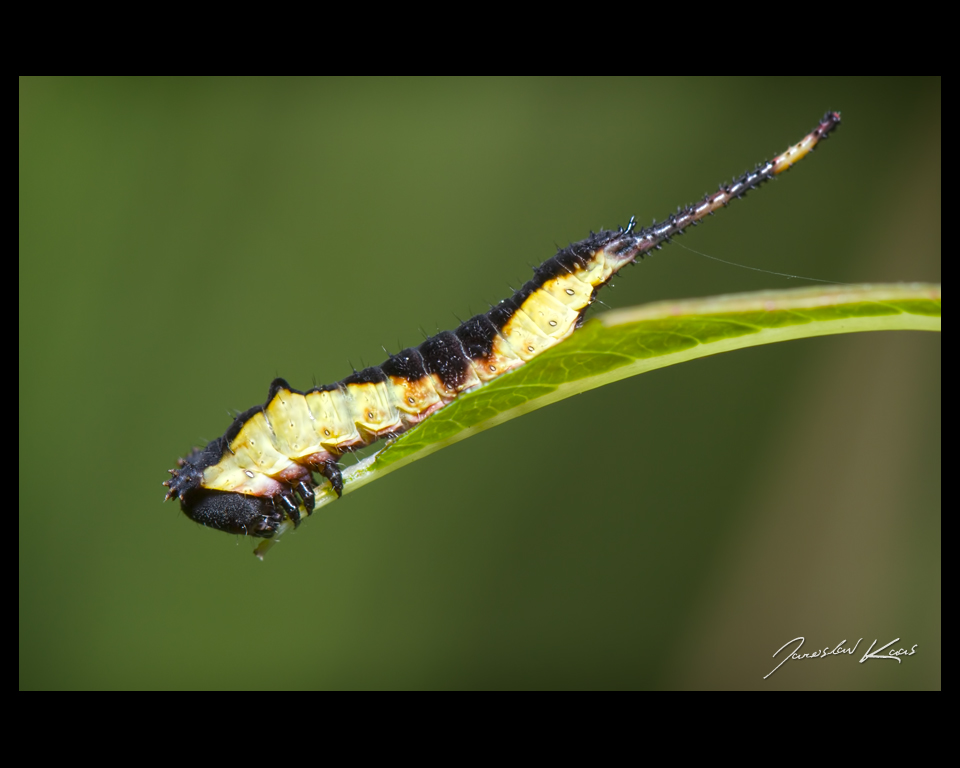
(305, 491)
(331, 471)
(288, 502)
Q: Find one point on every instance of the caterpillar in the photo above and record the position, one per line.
(262, 469)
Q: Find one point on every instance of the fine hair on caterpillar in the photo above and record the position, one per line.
(265, 468)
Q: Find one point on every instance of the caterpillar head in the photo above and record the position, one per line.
(223, 510)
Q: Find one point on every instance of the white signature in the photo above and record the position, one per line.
(839, 650)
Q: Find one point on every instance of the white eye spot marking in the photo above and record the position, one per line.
(569, 291)
(248, 473)
(411, 400)
(529, 348)
(553, 323)
(326, 432)
(493, 368)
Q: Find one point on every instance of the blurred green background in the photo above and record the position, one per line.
(182, 242)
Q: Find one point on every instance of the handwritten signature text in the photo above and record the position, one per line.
(840, 649)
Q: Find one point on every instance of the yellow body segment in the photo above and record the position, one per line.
(550, 314)
(795, 154)
(523, 335)
(554, 319)
(293, 424)
(601, 268)
(373, 411)
(413, 398)
(502, 359)
(332, 420)
(251, 463)
(570, 291)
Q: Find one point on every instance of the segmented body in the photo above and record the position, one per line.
(261, 469)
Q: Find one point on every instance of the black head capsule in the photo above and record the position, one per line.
(223, 510)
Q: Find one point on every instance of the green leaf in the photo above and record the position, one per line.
(627, 342)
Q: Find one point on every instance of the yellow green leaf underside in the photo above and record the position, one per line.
(627, 342)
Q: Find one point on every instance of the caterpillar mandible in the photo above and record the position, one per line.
(258, 473)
